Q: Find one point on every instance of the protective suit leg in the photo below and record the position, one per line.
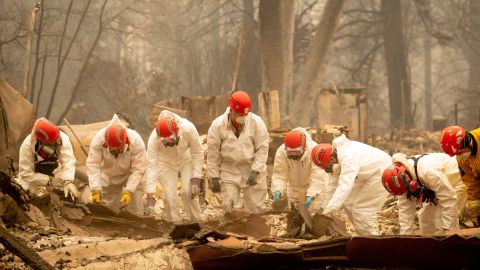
(426, 219)
(369, 201)
(136, 206)
(230, 195)
(349, 202)
(254, 199)
(111, 196)
(254, 196)
(459, 188)
(192, 206)
(168, 180)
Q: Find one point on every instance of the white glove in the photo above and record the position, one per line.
(70, 188)
(41, 179)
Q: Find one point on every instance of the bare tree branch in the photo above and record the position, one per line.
(37, 54)
(42, 78)
(61, 62)
(84, 67)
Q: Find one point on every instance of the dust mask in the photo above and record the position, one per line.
(465, 154)
(241, 120)
(336, 169)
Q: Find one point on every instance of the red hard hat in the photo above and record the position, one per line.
(115, 136)
(395, 179)
(166, 127)
(321, 154)
(295, 139)
(239, 103)
(451, 139)
(46, 132)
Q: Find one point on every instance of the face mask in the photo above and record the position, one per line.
(465, 154)
(116, 151)
(241, 120)
(170, 141)
(47, 150)
(330, 167)
(336, 169)
(294, 153)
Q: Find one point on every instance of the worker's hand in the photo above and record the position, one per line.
(96, 196)
(70, 189)
(195, 186)
(215, 184)
(276, 195)
(308, 201)
(126, 199)
(252, 178)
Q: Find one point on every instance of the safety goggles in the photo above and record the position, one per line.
(294, 152)
(171, 140)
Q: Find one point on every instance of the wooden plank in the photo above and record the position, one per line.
(157, 108)
(269, 108)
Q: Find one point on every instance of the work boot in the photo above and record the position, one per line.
(294, 225)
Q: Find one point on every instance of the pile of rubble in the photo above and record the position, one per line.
(409, 142)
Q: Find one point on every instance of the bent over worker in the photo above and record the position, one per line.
(45, 153)
(116, 166)
(427, 180)
(174, 147)
(359, 190)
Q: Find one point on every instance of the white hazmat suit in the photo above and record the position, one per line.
(232, 160)
(438, 172)
(31, 180)
(298, 176)
(359, 190)
(112, 175)
(165, 163)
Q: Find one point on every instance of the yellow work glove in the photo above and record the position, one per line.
(96, 196)
(126, 199)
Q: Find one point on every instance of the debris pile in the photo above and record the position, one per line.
(409, 142)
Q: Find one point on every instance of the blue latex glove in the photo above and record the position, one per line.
(277, 195)
(308, 201)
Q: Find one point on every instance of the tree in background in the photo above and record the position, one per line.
(396, 63)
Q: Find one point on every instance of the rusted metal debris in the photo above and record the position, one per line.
(104, 217)
(452, 252)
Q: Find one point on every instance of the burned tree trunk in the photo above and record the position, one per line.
(471, 49)
(276, 39)
(316, 61)
(428, 82)
(250, 77)
(396, 63)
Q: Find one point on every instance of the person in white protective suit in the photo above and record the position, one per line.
(359, 190)
(293, 171)
(237, 155)
(45, 153)
(116, 166)
(431, 180)
(174, 147)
